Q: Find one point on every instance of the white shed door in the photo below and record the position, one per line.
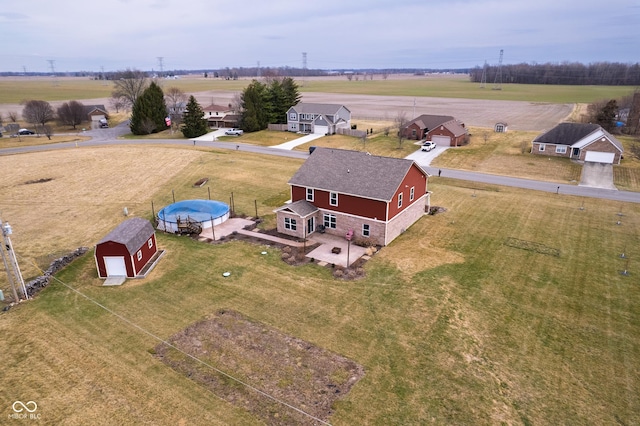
(441, 140)
(599, 157)
(115, 266)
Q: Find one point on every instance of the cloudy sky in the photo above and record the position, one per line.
(335, 34)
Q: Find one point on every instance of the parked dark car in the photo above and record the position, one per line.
(26, 132)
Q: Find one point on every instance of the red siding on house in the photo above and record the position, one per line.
(414, 179)
(347, 204)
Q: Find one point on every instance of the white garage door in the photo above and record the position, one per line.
(115, 266)
(320, 130)
(599, 157)
(441, 140)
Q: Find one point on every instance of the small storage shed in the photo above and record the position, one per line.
(126, 251)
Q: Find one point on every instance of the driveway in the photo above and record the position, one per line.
(424, 158)
(299, 141)
(597, 175)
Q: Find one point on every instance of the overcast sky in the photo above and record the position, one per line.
(335, 34)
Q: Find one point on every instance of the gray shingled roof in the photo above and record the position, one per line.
(132, 233)
(352, 172)
(310, 108)
(301, 207)
(567, 133)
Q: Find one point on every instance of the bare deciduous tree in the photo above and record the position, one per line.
(13, 116)
(129, 85)
(118, 103)
(71, 113)
(176, 101)
(401, 123)
(38, 112)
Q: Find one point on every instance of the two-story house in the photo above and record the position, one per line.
(219, 116)
(337, 191)
(322, 119)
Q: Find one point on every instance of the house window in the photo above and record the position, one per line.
(139, 254)
(561, 149)
(309, 194)
(400, 200)
(290, 224)
(293, 116)
(333, 198)
(329, 221)
(413, 133)
(150, 242)
(541, 147)
(365, 230)
(412, 193)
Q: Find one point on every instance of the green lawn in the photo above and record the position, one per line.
(466, 318)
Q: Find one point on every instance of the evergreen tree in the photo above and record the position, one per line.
(149, 111)
(194, 123)
(255, 107)
(606, 117)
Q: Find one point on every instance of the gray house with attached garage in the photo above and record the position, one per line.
(579, 141)
(320, 119)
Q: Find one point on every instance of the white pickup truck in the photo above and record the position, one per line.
(233, 132)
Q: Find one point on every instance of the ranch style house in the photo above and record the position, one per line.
(319, 119)
(444, 130)
(372, 198)
(579, 141)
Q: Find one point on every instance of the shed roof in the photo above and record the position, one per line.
(353, 172)
(132, 233)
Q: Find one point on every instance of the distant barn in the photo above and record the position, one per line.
(130, 250)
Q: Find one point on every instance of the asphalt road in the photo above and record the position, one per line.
(105, 137)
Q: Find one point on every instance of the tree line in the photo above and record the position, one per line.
(569, 73)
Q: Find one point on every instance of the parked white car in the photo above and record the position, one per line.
(428, 146)
(233, 132)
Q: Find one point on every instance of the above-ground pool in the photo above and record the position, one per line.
(205, 212)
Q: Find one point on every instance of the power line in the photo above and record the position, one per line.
(196, 359)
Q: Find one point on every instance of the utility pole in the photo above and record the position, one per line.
(13, 270)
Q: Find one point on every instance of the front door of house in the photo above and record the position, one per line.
(311, 225)
(576, 152)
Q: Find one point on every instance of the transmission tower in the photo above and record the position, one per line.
(483, 80)
(304, 66)
(258, 69)
(160, 65)
(497, 85)
(52, 65)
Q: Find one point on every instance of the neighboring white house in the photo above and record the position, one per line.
(320, 119)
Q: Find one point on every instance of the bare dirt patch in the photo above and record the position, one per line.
(287, 368)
